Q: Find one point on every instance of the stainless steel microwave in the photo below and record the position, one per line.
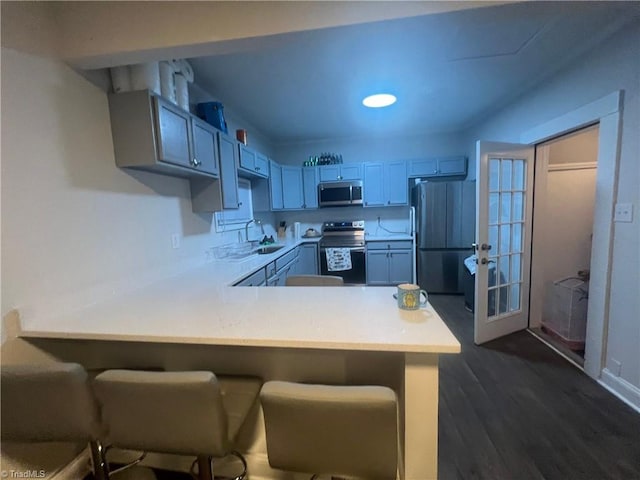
(337, 194)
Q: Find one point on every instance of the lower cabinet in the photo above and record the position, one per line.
(284, 266)
(308, 259)
(302, 260)
(389, 263)
(256, 279)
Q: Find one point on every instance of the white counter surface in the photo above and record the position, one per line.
(199, 307)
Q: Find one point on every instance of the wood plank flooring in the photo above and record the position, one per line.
(514, 409)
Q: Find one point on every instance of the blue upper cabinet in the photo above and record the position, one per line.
(228, 155)
(439, 167)
(275, 182)
(174, 134)
(252, 163)
(204, 146)
(373, 185)
(396, 184)
(292, 188)
(385, 184)
(343, 171)
(310, 186)
(262, 164)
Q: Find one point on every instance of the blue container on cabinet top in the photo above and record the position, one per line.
(213, 114)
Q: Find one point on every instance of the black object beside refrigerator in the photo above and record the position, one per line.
(445, 230)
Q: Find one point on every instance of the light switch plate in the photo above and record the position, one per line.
(623, 212)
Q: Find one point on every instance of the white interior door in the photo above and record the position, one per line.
(504, 186)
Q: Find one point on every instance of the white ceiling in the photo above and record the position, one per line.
(447, 70)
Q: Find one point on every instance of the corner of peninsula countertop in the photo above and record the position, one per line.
(200, 307)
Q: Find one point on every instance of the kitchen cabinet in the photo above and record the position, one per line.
(150, 133)
(252, 163)
(343, 171)
(215, 195)
(275, 186)
(389, 263)
(308, 259)
(438, 167)
(385, 184)
(298, 187)
(292, 188)
(284, 266)
(256, 279)
(310, 180)
(205, 145)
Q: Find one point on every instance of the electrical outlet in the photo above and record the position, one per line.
(175, 240)
(623, 212)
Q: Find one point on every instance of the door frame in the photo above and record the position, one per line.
(607, 112)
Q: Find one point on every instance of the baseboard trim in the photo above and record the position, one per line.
(622, 389)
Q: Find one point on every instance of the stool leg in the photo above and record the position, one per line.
(99, 461)
(205, 472)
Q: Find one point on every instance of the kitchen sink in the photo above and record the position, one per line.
(269, 249)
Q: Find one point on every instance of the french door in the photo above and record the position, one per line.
(504, 192)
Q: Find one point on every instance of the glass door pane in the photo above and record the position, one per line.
(507, 185)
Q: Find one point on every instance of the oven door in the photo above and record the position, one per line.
(356, 276)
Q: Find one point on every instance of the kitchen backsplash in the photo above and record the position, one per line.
(393, 219)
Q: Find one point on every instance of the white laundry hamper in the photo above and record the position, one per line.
(566, 315)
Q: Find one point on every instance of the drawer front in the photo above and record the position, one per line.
(256, 279)
(391, 245)
(286, 258)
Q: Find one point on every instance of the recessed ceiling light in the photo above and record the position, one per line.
(379, 100)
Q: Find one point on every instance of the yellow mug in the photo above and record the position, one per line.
(409, 297)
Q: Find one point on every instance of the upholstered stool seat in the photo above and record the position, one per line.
(332, 430)
(184, 413)
(49, 417)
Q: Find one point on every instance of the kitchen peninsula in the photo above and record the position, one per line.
(196, 320)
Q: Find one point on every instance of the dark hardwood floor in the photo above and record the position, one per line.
(515, 409)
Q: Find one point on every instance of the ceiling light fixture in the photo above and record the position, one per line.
(379, 100)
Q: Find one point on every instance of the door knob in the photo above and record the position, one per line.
(484, 261)
(485, 247)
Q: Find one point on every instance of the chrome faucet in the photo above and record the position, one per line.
(246, 227)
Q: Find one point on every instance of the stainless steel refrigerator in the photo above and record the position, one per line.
(445, 230)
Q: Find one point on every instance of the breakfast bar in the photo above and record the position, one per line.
(349, 335)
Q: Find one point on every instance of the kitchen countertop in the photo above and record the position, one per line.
(199, 307)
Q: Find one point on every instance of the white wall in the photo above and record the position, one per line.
(612, 66)
(567, 224)
(76, 228)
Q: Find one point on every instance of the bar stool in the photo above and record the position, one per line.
(49, 403)
(314, 281)
(183, 413)
(331, 430)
